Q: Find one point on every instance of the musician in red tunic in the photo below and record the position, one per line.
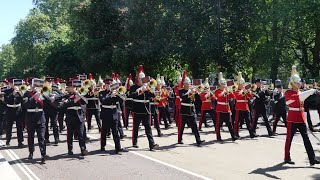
(223, 108)
(177, 102)
(242, 108)
(207, 97)
(296, 117)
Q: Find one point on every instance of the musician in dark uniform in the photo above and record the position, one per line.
(35, 121)
(93, 108)
(307, 105)
(3, 107)
(13, 100)
(51, 102)
(141, 98)
(280, 107)
(109, 116)
(75, 118)
(260, 95)
(188, 111)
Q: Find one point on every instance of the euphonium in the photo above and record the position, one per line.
(23, 88)
(254, 87)
(87, 83)
(122, 90)
(83, 90)
(153, 83)
(200, 87)
(46, 90)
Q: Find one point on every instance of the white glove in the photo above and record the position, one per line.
(304, 95)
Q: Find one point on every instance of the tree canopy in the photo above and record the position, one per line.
(261, 38)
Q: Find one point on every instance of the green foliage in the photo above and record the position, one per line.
(261, 38)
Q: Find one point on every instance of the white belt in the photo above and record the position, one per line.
(296, 109)
(92, 99)
(223, 103)
(74, 108)
(153, 103)
(14, 105)
(140, 101)
(187, 104)
(109, 106)
(242, 100)
(34, 110)
(129, 99)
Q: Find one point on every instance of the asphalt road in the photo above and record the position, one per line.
(260, 158)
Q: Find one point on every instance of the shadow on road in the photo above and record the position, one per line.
(280, 167)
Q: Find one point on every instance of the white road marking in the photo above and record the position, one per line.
(161, 162)
(6, 171)
(22, 166)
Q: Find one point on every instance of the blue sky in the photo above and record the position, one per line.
(11, 11)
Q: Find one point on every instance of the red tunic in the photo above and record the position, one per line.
(296, 111)
(177, 101)
(223, 101)
(207, 101)
(242, 100)
(164, 98)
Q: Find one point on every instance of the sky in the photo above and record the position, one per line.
(11, 12)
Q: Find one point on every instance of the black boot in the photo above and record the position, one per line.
(30, 156)
(289, 162)
(315, 161)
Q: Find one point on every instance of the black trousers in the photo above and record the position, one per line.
(3, 123)
(109, 122)
(96, 114)
(291, 130)
(156, 121)
(163, 116)
(223, 117)
(240, 116)
(145, 119)
(77, 127)
(168, 113)
(191, 120)
(127, 112)
(13, 116)
(53, 118)
(279, 114)
(33, 127)
(60, 119)
(119, 126)
(257, 113)
(203, 117)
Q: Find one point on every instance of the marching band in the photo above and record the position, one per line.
(35, 103)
